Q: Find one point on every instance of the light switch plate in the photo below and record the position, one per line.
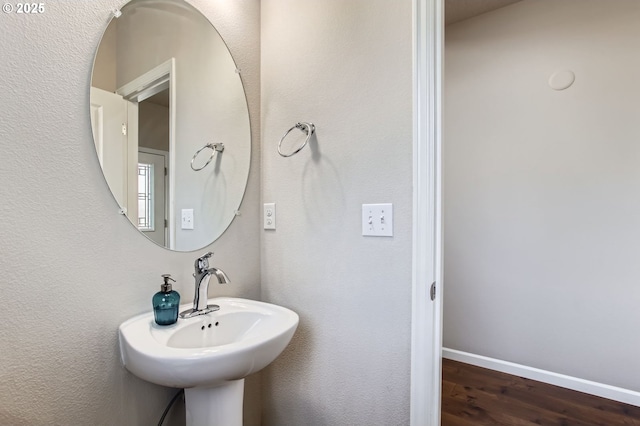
(187, 218)
(377, 220)
(269, 215)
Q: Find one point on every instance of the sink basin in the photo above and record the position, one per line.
(208, 355)
(241, 338)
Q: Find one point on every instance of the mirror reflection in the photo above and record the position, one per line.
(164, 86)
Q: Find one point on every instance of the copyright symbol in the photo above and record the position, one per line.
(7, 8)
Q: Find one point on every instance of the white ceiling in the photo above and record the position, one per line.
(457, 10)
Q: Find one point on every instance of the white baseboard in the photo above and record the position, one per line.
(594, 388)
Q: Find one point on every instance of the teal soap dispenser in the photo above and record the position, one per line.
(166, 303)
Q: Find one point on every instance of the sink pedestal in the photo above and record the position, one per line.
(208, 355)
(215, 406)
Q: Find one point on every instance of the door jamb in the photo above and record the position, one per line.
(426, 329)
(153, 81)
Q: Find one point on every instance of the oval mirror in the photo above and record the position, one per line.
(170, 123)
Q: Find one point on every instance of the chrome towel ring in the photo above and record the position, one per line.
(308, 128)
(216, 147)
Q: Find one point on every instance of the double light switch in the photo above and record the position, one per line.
(377, 220)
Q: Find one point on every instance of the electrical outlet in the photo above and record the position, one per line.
(269, 216)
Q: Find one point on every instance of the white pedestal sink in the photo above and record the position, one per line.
(208, 355)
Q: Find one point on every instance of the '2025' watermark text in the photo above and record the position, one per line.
(24, 8)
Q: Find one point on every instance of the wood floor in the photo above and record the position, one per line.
(477, 396)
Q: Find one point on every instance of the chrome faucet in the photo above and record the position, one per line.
(202, 275)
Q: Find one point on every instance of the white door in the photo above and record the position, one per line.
(151, 196)
(109, 115)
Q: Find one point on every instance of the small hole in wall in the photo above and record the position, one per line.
(217, 323)
(209, 326)
(202, 328)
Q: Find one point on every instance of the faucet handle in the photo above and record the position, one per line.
(202, 263)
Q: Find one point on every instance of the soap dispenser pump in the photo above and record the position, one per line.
(166, 303)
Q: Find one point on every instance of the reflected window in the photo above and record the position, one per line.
(145, 197)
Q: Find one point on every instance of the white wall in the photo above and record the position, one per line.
(346, 67)
(542, 214)
(72, 269)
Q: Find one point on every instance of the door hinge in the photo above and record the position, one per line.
(165, 223)
(165, 171)
(432, 292)
(124, 129)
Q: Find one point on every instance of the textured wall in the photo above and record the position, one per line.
(71, 268)
(345, 66)
(542, 231)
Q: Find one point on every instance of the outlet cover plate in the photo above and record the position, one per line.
(269, 215)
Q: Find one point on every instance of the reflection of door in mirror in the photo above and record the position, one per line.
(153, 156)
(138, 119)
(132, 141)
(109, 119)
(151, 119)
(152, 194)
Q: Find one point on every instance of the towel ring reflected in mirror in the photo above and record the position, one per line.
(215, 147)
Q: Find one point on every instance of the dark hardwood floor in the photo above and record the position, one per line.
(477, 396)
